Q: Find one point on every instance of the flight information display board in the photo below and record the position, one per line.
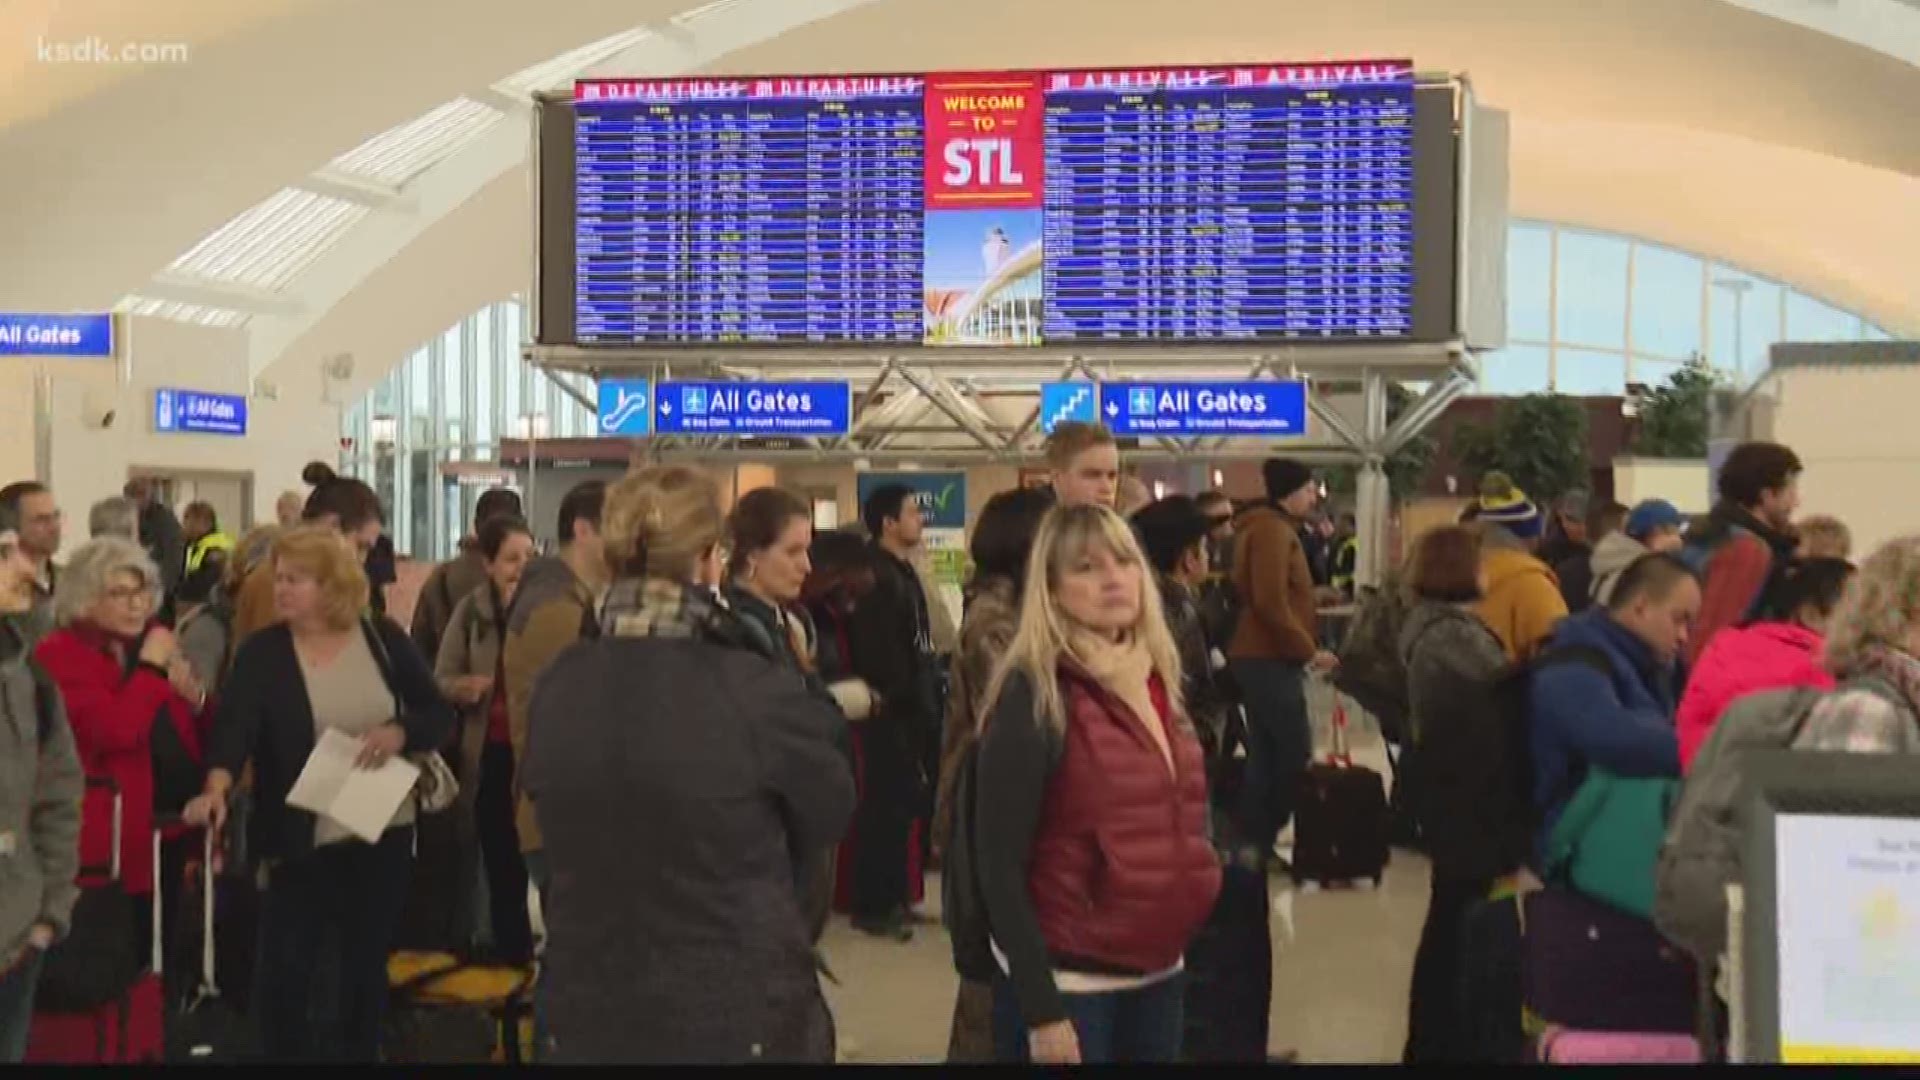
(778, 210)
(1304, 202)
(1222, 204)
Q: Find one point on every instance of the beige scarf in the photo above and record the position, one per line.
(1125, 668)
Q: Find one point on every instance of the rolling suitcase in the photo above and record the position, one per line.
(1230, 975)
(1341, 826)
(1591, 967)
(207, 1028)
(1564, 1046)
(128, 1030)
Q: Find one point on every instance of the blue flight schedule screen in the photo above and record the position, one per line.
(1214, 205)
(749, 211)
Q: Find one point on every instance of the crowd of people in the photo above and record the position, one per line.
(1564, 691)
(693, 731)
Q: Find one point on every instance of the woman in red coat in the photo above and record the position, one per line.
(1091, 852)
(132, 703)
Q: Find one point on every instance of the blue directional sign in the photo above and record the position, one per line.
(753, 408)
(1258, 408)
(626, 407)
(192, 411)
(1061, 402)
(55, 335)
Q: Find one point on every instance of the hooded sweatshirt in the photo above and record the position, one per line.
(1742, 661)
(1611, 559)
(1523, 602)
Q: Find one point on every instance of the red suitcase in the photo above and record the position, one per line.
(129, 1031)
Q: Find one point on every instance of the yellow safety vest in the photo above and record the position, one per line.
(214, 541)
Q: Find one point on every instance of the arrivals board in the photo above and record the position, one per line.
(1193, 205)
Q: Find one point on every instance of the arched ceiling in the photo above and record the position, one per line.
(1736, 132)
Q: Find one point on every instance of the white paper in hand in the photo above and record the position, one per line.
(363, 801)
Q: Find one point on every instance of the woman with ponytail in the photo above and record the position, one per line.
(341, 503)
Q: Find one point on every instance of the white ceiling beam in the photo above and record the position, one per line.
(359, 191)
(509, 103)
(242, 298)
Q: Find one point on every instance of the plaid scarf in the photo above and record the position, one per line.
(1860, 719)
(658, 608)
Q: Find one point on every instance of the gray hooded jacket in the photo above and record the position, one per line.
(1610, 559)
(40, 789)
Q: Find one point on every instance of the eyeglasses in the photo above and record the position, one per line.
(1217, 520)
(139, 596)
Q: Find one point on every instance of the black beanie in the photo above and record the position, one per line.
(1284, 476)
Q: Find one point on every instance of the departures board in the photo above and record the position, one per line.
(1300, 202)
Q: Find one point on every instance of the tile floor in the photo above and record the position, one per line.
(1340, 981)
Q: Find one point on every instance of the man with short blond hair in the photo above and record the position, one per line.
(1085, 461)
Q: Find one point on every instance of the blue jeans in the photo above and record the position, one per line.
(1121, 1027)
(16, 1006)
(1279, 746)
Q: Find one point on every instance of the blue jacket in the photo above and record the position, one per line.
(1580, 717)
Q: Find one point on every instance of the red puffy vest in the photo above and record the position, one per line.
(1121, 875)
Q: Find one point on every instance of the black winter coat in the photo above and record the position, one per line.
(675, 779)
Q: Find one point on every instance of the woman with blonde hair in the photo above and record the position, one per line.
(325, 665)
(1873, 649)
(1091, 856)
(683, 779)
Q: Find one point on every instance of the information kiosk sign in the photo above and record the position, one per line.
(1255, 408)
(753, 408)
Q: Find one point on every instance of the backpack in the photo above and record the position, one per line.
(1372, 670)
(1607, 841)
(1486, 824)
(1701, 854)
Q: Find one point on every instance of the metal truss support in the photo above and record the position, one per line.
(1374, 502)
(1440, 394)
(931, 387)
(572, 391)
(1334, 422)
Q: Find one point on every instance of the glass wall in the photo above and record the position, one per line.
(1590, 313)
(1587, 313)
(418, 436)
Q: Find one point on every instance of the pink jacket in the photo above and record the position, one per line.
(1738, 662)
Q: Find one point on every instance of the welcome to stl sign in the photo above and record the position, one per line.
(986, 142)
